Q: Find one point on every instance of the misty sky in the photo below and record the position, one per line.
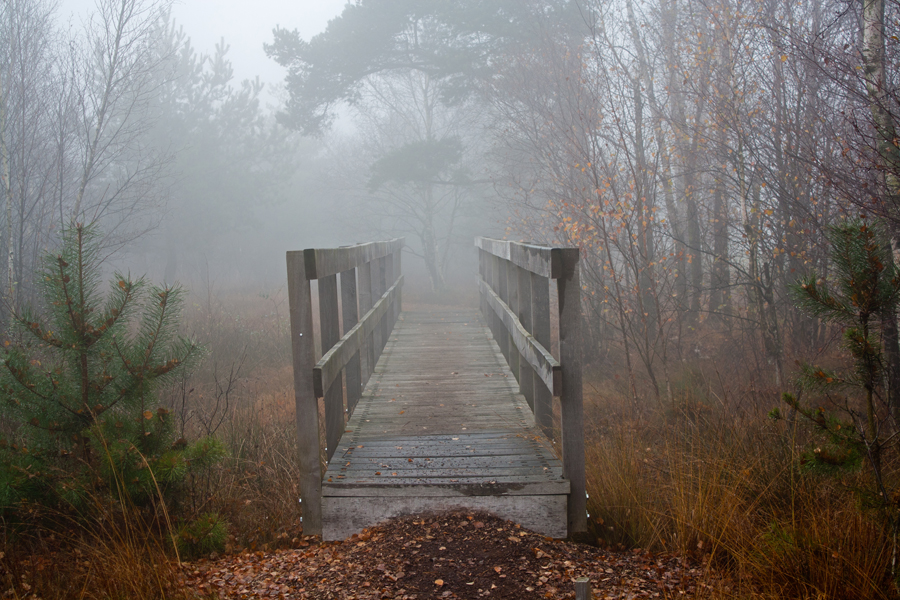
(245, 24)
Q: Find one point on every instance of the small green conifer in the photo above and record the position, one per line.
(77, 384)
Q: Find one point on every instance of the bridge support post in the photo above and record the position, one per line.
(515, 295)
(571, 400)
(307, 406)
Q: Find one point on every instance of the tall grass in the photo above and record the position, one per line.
(710, 476)
(713, 477)
(243, 394)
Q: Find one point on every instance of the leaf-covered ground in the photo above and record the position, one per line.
(457, 555)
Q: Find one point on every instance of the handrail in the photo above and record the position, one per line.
(539, 358)
(349, 280)
(514, 286)
(330, 365)
(321, 262)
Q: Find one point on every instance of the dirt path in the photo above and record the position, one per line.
(458, 555)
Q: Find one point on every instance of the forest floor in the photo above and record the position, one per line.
(454, 555)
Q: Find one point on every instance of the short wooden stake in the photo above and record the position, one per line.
(582, 588)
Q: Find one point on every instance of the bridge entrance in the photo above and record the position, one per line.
(436, 409)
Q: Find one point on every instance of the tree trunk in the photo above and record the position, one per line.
(7, 192)
(889, 153)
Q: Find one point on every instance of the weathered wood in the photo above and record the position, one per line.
(571, 404)
(307, 407)
(441, 425)
(398, 306)
(546, 367)
(341, 353)
(526, 373)
(583, 588)
(499, 248)
(512, 291)
(366, 302)
(499, 335)
(389, 279)
(378, 289)
(350, 317)
(345, 516)
(540, 320)
(463, 486)
(322, 262)
(545, 261)
(329, 322)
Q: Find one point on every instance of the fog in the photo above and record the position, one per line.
(728, 171)
(206, 224)
(245, 27)
(698, 172)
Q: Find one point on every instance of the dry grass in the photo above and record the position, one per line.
(113, 553)
(710, 476)
(714, 477)
(243, 394)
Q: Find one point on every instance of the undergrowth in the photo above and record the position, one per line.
(716, 478)
(711, 476)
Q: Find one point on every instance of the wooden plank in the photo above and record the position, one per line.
(571, 403)
(398, 271)
(329, 321)
(512, 291)
(406, 466)
(498, 248)
(322, 262)
(519, 486)
(545, 366)
(498, 333)
(443, 412)
(378, 289)
(307, 407)
(350, 317)
(346, 516)
(342, 352)
(540, 320)
(375, 472)
(366, 302)
(546, 261)
(526, 373)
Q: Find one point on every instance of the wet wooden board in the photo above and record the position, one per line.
(440, 423)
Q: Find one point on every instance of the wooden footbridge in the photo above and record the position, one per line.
(436, 409)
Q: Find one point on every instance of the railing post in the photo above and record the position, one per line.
(329, 322)
(382, 288)
(377, 292)
(307, 406)
(526, 373)
(398, 307)
(367, 353)
(500, 280)
(350, 317)
(482, 304)
(571, 403)
(540, 319)
(388, 282)
(512, 293)
(489, 279)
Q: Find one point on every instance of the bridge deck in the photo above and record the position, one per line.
(441, 425)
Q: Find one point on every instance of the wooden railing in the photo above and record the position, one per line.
(515, 301)
(370, 285)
